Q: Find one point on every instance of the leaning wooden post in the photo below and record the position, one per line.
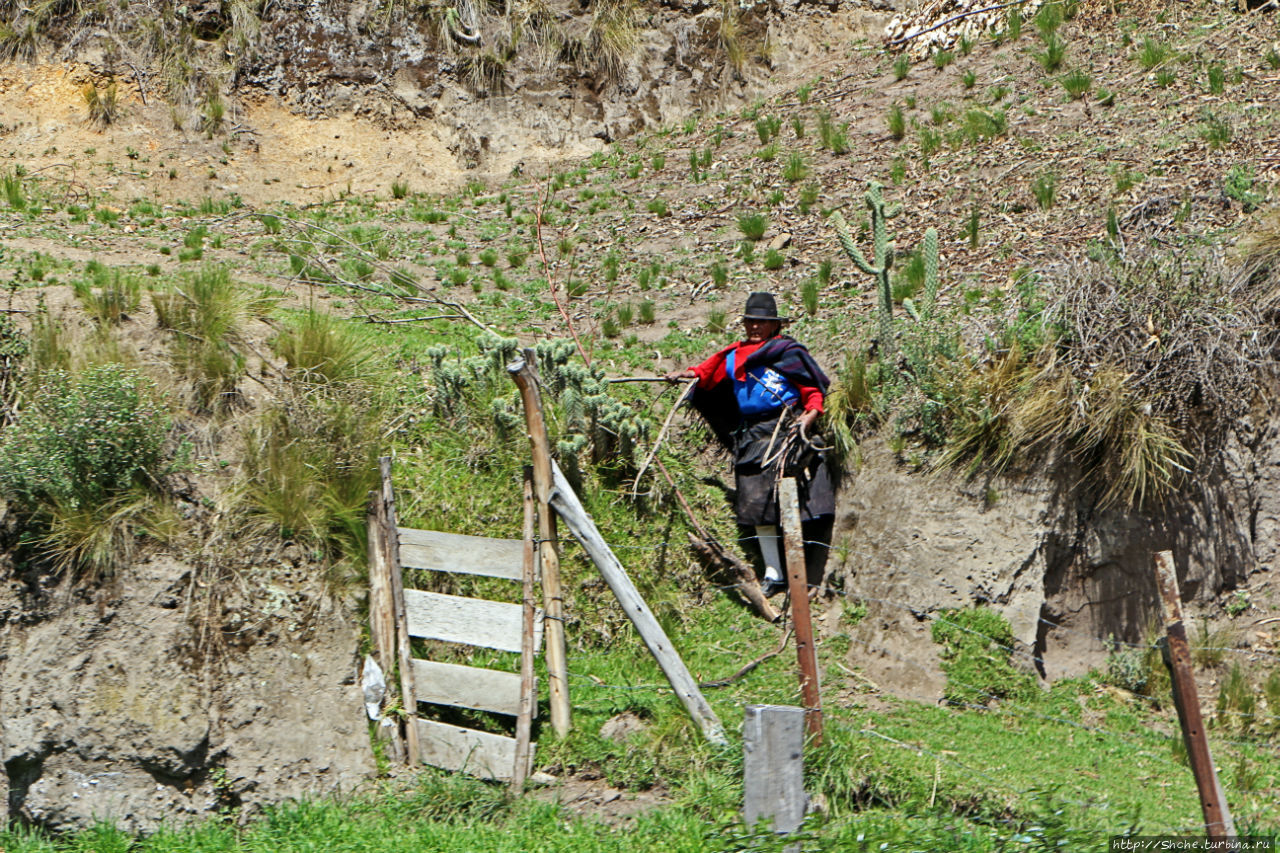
(584, 530)
(1217, 817)
(773, 767)
(524, 719)
(391, 543)
(526, 378)
(798, 587)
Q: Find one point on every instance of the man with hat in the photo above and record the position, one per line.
(749, 392)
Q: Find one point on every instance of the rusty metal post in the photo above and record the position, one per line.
(1217, 817)
(798, 587)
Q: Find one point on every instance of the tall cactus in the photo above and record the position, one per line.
(883, 260)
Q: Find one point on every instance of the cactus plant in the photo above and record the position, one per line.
(925, 309)
(883, 259)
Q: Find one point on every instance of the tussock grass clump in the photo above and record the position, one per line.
(111, 295)
(321, 349)
(1259, 255)
(103, 104)
(310, 459)
(753, 226)
(206, 313)
(832, 136)
(1153, 53)
(901, 67)
(896, 122)
(1077, 83)
(309, 463)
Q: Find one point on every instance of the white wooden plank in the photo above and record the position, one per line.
(454, 552)
(472, 621)
(467, 687)
(482, 754)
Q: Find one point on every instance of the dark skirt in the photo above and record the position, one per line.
(757, 475)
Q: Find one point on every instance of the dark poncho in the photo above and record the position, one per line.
(756, 500)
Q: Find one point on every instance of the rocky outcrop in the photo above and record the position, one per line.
(1066, 573)
(111, 710)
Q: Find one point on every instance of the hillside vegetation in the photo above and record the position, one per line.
(1101, 284)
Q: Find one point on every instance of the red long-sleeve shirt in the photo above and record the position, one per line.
(714, 371)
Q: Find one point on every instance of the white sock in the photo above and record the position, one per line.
(767, 536)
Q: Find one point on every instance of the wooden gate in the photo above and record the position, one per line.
(399, 613)
(472, 622)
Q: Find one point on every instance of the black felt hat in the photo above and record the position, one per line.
(761, 306)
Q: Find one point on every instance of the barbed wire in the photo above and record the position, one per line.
(1103, 641)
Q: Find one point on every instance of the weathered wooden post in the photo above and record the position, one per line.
(1217, 817)
(391, 548)
(381, 611)
(524, 719)
(382, 620)
(526, 378)
(798, 586)
(773, 767)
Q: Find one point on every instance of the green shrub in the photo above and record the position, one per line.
(84, 439)
(1240, 184)
(977, 647)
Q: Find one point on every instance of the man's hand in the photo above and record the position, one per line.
(677, 375)
(808, 419)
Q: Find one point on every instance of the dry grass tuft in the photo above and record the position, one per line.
(1259, 255)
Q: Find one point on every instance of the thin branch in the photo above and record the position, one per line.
(369, 318)
(546, 270)
(725, 682)
(675, 407)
